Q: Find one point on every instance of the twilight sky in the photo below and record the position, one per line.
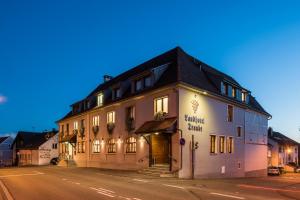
(53, 53)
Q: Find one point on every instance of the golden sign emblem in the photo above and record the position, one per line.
(195, 105)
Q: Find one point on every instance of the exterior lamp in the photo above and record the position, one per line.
(102, 141)
(289, 151)
(120, 140)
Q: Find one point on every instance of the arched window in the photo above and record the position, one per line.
(131, 145)
(96, 146)
(112, 146)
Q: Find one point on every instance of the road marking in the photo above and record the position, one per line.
(137, 199)
(267, 188)
(103, 191)
(226, 195)
(140, 180)
(174, 186)
(127, 198)
(6, 192)
(14, 175)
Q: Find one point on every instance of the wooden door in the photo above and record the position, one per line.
(160, 148)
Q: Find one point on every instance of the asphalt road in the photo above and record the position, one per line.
(53, 182)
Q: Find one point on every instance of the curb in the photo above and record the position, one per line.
(5, 191)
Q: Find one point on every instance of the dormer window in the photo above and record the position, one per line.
(148, 81)
(117, 93)
(244, 96)
(76, 125)
(233, 92)
(139, 85)
(100, 99)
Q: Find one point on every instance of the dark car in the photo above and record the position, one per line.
(273, 171)
(54, 161)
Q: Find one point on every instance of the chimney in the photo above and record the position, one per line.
(107, 78)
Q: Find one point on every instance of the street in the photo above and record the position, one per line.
(51, 182)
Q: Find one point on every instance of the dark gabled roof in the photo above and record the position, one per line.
(2, 139)
(32, 140)
(281, 139)
(182, 68)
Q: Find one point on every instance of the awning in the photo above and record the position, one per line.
(69, 138)
(166, 125)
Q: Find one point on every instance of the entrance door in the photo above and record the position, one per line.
(160, 148)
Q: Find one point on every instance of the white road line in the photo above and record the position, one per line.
(137, 199)
(6, 192)
(105, 192)
(226, 195)
(14, 175)
(140, 180)
(174, 186)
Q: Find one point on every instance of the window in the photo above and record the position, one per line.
(112, 146)
(96, 146)
(130, 112)
(213, 144)
(147, 81)
(222, 144)
(62, 129)
(138, 85)
(111, 117)
(229, 113)
(233, 91)
(230, 145)
(131, 145)
(223, 89)
(244, 96)
(96, 121)
(161, 105)
(54, 146)
(76, 125)
(100, 99)
(239, 131)
(81, 147)
(116, 93)
(82, 123)
(67, 129)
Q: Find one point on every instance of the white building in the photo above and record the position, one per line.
(6, 151)
(35, 148)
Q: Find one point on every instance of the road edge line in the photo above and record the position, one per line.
(5, 191)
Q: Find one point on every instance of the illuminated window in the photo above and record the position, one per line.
(112, 147)
(111, 117)
(100, 99)
(213, 140)
(96, 146)
(96, 120)
(222, 144)
(229, 113)
(161, 105)
(239, 131)
(116, 93)
(233, 91)
(131, 145)
(76, 125)
(244, 96)
(230, 145)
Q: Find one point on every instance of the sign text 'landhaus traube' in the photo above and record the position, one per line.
(194, 123)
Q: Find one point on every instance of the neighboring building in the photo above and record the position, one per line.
(282, 151)
(5, 151)
(154, 113)
(35, 148)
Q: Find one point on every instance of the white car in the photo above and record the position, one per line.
(273, 171)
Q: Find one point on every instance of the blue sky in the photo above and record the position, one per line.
(53, 53)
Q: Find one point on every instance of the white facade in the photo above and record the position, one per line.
(6, 152)
(48, 150)
(248, 156)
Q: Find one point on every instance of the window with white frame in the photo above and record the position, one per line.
(213, 147)
(75, 125)
(100, 99)
(111, 117)
(230, 145)
(96, 146)
(222, 144)
(96, 120)
(161, 105)
(112, 146)
(131, 145)
(229, 113)
(239, 131)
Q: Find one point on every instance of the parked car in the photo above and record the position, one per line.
(297, 170)
(273, 171)
(281, 170)
(54, 161)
